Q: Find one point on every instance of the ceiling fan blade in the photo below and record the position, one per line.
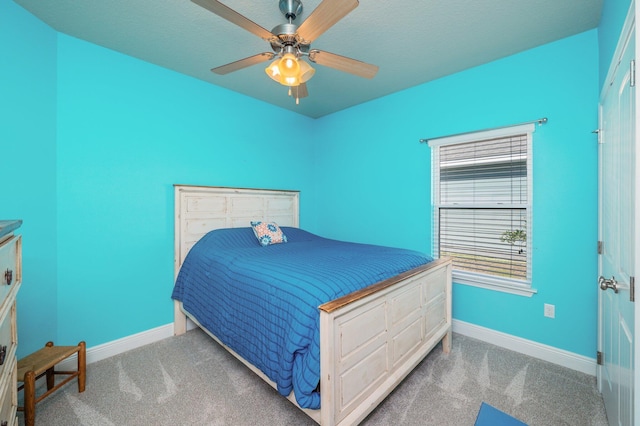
(300, 91)
(234, 17)
(342, 63)
(324, 17)
(243, 63)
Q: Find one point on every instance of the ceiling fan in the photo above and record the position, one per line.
(290, 43)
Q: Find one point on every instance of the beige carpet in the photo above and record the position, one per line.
(191, 380)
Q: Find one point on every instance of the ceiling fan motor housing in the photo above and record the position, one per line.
(287, 37)
(286, 33)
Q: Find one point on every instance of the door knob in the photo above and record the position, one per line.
(608, 283)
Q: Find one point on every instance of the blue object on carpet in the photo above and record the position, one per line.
(491, 416)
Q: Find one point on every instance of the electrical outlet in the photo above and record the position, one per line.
(549, 310)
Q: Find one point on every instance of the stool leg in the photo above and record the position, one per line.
(29, 398)
(82, 366)
(51, 378)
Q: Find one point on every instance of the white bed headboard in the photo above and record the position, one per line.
(200, 209)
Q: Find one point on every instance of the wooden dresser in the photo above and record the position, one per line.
(10, 280)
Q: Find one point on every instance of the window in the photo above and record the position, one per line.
(482, 206)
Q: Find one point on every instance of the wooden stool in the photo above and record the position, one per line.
(41, 363)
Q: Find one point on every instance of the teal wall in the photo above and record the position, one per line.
(380, 179)
(99, 139)
(28, 171)
(128, 131)
(612, 19)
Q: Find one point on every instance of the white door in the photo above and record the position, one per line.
(617, 233)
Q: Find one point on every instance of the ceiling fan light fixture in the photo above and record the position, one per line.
(289, 70)
(306, 71)
(289, 66)
(290, 81)
(273, 71)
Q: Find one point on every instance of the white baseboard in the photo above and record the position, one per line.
(115, 347)
(528, 347)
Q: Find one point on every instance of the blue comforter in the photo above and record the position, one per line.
(263, 301)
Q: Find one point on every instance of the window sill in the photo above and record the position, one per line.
(504, 285)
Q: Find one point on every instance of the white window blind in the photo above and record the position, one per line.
(482, 213)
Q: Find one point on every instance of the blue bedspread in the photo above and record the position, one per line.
(263, 301)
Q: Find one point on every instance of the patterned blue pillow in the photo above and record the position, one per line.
(268, 233)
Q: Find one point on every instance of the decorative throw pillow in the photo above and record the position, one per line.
(268, 233)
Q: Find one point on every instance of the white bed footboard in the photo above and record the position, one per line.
(371, 340)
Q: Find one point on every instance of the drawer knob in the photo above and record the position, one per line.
(8, 276)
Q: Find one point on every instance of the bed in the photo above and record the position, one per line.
(368, 339)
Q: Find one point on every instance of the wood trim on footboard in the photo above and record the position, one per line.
(372, 339)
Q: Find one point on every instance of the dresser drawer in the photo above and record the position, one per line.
(10, 266)
(8, 397)
(8, 339)
(10, 280)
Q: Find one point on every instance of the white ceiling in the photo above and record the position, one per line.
(412, 41)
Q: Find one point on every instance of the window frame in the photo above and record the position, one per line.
(477, 279)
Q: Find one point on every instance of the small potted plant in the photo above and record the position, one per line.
(515, 236)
